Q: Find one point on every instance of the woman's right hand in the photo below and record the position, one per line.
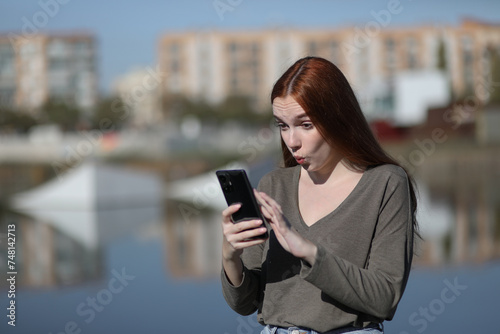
(237, 235)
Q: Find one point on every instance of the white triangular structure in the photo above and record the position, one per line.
(75, 202)
(201, 191)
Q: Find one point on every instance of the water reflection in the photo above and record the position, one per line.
(73, 240)
(46, 256)
(193, 235)
(192, 245)
(63, 225)
(460, 216)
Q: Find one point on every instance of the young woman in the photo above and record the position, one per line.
(342, 214)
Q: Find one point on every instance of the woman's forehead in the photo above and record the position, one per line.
(286, 106)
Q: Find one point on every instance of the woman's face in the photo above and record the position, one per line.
(301, 137)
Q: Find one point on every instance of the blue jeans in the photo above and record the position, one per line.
(296, 330)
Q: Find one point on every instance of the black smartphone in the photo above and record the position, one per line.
(237, 189)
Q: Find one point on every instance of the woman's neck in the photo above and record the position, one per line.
(331, 174)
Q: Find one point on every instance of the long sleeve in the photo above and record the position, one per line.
(377, 288)
(365, 249)
(245, 298)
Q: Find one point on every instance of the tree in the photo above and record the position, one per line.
(495, 76)
(236, 108)
(111, 113)
(64, 114)
(442, 64)
(239, 108)
(441, 56)
(178, 106)
(15, 120)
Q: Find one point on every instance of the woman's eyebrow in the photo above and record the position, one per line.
(277, 119)
(299, 117)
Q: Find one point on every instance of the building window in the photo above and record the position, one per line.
(204, 69)
(174, 49)
(28, 50)
(174, 83)
(7, 97)
(468, 63)
(255, 49)
(312, 48)
(411, 53)
(283, 49)
(57, 48)
(81, 47)
(234, 66)
(58, 64)
(7, 61)
(174, 52)
(334, 52)
(390, 54)
(255, 55)
(233, 48)
(83, 65)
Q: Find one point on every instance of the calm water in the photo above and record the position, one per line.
(154, 269)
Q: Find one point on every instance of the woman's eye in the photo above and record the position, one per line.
(281, 125)
(307, 126)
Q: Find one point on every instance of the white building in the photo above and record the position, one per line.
(139, 90)
(36, 68)
(212, 65)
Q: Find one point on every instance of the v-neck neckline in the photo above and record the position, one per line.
(296, 179)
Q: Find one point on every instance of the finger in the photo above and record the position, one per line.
(258, 197)
(245, 236)
(277, 208)
(248, 243)
(264, 207)
(226, 214)
(270, 208)
(266, 212)
(262, 200)
(276, 230)
(270, 201)
(272, 212)
(236, 228)
(252, 233)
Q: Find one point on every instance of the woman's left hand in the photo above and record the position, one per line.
(288, 237)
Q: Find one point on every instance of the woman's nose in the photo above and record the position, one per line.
(293, 140)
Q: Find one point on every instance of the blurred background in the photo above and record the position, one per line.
(115, 115)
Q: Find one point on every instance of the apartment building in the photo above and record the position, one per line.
(8, 73)
(38, 67)
(212, 65)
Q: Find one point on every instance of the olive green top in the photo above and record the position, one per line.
(365, 249)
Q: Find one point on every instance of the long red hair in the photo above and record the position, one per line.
(324, 93)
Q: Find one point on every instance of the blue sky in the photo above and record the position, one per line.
(128, 31)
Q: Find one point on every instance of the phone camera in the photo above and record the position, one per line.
(225, 183)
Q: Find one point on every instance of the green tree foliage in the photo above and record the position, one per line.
(495, 76)
(111, 113)
(178, 106)
(234, 108)
(59, 112)
(442, 64)
(15, 121)
(441, 56)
